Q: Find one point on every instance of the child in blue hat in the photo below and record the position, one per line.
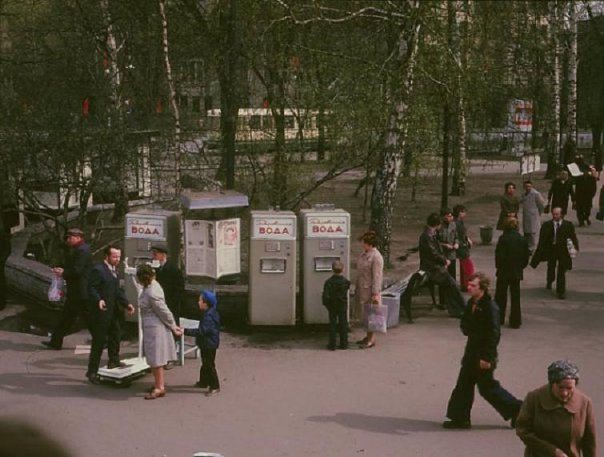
(207, 338)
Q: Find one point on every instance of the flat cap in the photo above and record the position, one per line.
(158, 248)
(74, 232)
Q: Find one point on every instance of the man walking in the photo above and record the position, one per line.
(553, 247)
(480, 323)
(78, 264)
(433, 262)
(532, 207)
(511, 258)
(108, 299)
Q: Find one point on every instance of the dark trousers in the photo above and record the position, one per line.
(583, 213)
(338, 323)
(106, 330)
(2, 286)
(501, 297)
(559, 276)
(208, 377)
(452, 270)
(460, 404)
(450, 294)
(71, 311)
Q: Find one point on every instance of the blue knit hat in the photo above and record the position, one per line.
(209, 297)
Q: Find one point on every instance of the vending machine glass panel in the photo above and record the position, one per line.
(324, 263)
(272, 265)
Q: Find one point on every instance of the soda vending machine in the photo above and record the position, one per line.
(146, 228)
(326, 238)
(272, 285)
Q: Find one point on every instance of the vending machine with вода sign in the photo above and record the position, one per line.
(272, 285)
(325, 239)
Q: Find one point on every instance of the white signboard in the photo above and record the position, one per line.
(146, 228)
(327, 226)
(212, 248)
(274, 228)
(530, 163)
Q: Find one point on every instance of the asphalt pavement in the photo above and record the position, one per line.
(283, 394)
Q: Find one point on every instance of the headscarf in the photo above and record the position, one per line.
(562, 369)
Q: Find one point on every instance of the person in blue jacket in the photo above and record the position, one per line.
(207, 338)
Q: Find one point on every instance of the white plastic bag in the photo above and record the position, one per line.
(55, 291)
(377, 318)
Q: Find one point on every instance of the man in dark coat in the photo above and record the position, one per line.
(107, 301)
(433, 261)
(480, 323)
(78, 264)
(511, 258)
(585, 190)
(553, 248)
(170, 278)
(560, 191)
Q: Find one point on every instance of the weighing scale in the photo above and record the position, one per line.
(134, 367)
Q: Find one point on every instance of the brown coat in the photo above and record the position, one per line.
(544, 425)
(370, 271)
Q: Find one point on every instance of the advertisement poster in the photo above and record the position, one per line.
(212, 248)
(229, 251)
(200, 252)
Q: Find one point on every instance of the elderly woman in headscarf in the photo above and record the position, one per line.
(558, 419)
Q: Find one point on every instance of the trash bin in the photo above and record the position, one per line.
(486, 234)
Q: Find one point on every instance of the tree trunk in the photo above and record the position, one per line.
(173, 100)
(228, 76)
(115, 122)
(570, 147)
(386, 179)
(459, 64)
(444, 193)
(553, 148)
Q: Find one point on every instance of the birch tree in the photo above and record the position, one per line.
(553, 126)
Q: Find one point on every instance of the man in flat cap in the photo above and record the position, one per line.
(170, 278)
(77, 267)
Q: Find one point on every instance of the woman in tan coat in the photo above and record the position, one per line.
(557, 419)
(370, 271)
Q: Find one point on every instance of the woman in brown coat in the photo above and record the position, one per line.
(558, 419)
(370, 270)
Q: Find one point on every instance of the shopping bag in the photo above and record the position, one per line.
(377, 318)
(55, 291)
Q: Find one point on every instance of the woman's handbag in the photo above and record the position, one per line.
(377, 317)
(546, 209)
(55, 291)
(600, 216)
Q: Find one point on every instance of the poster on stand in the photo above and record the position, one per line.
(200, 250)
(228, 252)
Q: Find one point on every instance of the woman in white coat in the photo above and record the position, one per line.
(158, 326)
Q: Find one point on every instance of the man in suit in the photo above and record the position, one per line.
(511, 258)
(480, 323)
(76, 271)
(553, 247)
(433, 261)
(108, 300)
(170, 278)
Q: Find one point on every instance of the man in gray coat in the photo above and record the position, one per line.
(532, 208)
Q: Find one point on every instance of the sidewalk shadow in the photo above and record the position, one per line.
(59, 386)
(7, 345)
(389, 425)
